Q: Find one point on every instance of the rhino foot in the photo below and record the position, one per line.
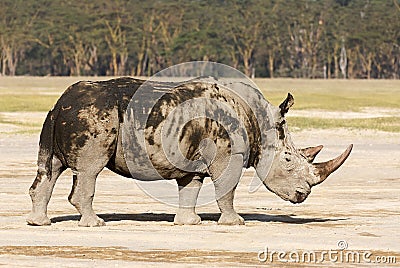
(38, 219)
(91, 221)
(230, 219)
(186, 217)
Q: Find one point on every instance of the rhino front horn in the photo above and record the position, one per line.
(323, 170)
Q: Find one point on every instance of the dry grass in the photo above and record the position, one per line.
(333, 95)
(32, 94)
(389, 124)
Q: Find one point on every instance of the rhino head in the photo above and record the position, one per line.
(292, 173)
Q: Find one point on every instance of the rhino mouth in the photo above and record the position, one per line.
(299, 196)
(284, 197)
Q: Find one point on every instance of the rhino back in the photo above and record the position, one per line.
(90, 109)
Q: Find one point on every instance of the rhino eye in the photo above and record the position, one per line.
(287, 161)
(287, 156)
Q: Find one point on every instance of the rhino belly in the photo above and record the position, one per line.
(133, 162)
(118, 164)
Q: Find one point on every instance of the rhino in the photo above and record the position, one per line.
(93, 126)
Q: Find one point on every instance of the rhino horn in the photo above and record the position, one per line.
(311, 152)
(323, 170)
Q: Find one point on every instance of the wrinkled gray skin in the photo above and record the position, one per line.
(83, 132)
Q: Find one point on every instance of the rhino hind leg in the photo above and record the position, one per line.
(81, 197)
(189, 189)
(41, 191)
(90, 161)
(225, 175)
(90, 151)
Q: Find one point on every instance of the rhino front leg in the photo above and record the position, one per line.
(41, 191)
(226, 175)
(189, 189)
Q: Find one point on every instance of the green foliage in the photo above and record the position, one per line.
(290, 38)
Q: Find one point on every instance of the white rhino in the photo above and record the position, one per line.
(85, 129)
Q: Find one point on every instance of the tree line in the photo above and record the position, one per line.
(264, 38)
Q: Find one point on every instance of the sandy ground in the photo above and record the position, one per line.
(358, 205)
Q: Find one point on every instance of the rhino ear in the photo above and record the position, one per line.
(286, 104)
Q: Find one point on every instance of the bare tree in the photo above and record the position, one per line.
(116, 41)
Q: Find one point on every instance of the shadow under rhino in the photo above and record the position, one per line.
(167, 217)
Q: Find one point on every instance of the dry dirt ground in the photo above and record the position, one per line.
(358, 205)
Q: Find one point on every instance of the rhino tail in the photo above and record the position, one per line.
(46, 145)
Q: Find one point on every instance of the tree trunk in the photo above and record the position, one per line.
(141, 55)
(247, 62)
(336, 60)
(396, 64)
(3, 63)
(369, 65)
(329, 62)
(350, 64)
(114, 63)
(234, 58)
(92, 61)
(77, 64)
(314, 66)
(271, 64)
(122, 63)
(12, 60)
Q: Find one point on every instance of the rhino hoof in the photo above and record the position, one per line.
(91, 222)
(38, 220)
(186, 219)
(230, 219)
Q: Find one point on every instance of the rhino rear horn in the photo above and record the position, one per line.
(323, 170)
(311, 152)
